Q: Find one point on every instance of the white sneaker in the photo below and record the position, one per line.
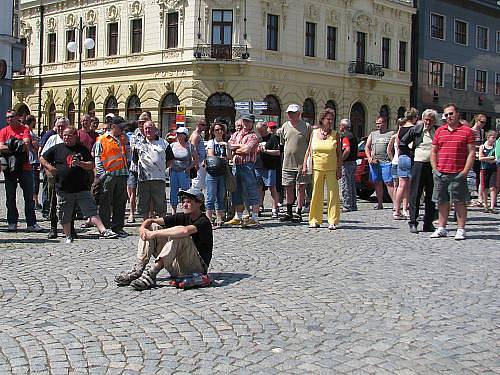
(34, 228)
(440, 232)
(332, 227)
(460, 235)
(12, 228)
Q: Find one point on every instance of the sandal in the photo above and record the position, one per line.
(86, 225)
(218, 224)
(398, 217)
(146, 281)
(126, 278)
(131, 220)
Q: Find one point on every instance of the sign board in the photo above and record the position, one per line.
(180, 118)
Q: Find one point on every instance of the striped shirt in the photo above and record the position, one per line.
(452, 150)
(249, 138)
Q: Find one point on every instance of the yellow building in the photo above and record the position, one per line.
(353, 55)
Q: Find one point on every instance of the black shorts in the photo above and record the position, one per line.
(489, 178)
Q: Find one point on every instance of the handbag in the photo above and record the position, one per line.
(193, 172)
(230, 179)
(215, 166)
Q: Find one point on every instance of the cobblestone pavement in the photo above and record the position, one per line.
(367, 298)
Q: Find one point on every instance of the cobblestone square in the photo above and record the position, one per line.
(369, 298)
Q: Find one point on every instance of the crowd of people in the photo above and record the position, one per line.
(94, 171)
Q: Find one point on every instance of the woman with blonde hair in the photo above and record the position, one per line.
(325, 149)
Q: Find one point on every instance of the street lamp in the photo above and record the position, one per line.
(88, 43)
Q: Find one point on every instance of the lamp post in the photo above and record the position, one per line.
(88, 43)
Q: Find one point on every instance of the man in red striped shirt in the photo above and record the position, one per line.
(452, 157)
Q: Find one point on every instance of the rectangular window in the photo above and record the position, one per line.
(461, 32)
(436, 73)
(331, 43)
(437, 26)
(24, 54)
(222, 34)
(480, 81)
(498, 41)
(52, 47)
(272, 32)
(172, 30)
(402, 56)
(386, 52)
(310, 39)
(113, 39)
(459, 77)
(70, 37)
(136, 45)
(360, 48)
(91, 33)
(482, 37)
(497, 83)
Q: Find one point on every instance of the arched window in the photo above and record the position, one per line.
(309, 111)
(71, 114)
(91, 109)
(331, 104)
(23, 111)
(133, 108)
(358, 120)
(111, 106)
(52, 115)
(220, 104)
(273, 112)
(168, 111)
(401, 112)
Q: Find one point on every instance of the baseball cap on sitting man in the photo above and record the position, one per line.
(192, 193)
(182, 130)
(293, 108)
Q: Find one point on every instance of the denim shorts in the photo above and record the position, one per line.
(246, 185)
(381, 172)
(394, 171)
(450, 187)
(132, 180)
(404, 166)
(266, 176)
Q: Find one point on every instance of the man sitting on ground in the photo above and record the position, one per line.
(183, 246)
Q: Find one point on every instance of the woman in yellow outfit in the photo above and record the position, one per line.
(325, 149)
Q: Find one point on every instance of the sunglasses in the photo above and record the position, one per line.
(13, 116)
(218, 130)
(449, 114)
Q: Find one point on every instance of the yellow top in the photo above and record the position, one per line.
(324, 151)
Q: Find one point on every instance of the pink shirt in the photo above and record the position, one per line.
(249, 138)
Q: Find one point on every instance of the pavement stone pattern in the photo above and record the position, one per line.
(369, 298)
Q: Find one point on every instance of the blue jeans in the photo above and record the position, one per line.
(246, 185)
(216, 189)
(178, 180)
(25, 180)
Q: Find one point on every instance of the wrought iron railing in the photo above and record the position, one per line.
(221, 52)
(363, 67)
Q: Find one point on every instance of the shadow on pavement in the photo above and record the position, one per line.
(493, 237)
(221, 279)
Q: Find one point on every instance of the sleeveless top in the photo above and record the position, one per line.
(488, 152)
(379, 145)
(182, 156)
(324, 152)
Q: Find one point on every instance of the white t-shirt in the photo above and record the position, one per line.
(52, 141)
(152, 159)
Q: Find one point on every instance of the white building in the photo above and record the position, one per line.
(208, 54)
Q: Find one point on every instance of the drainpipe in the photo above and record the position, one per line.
(40, 69)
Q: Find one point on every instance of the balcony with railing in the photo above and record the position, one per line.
(221, 52)
(363, 67)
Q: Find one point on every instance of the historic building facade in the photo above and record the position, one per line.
(458, 48)
(206, 55)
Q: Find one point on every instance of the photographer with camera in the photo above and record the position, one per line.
(69, 162)
(14, 143)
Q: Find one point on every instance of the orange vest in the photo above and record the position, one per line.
(113, 156)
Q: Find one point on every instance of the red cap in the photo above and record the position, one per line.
(272, 124)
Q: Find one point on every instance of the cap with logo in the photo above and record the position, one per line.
(293, 108)
(182, 130)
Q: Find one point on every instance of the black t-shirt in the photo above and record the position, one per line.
(68, 179)
(203, 239)
(271, 161)
(403, 148)
(353, 146)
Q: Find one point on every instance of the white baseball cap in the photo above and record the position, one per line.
(182, 130)
(293, 108)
